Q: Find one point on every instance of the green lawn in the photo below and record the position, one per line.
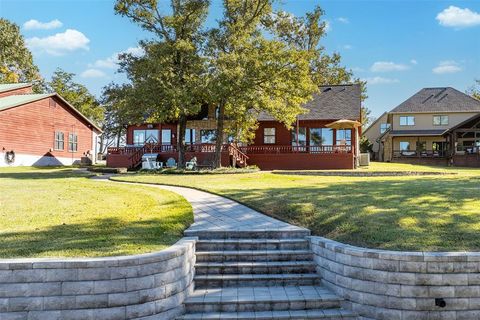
(61, 213)
(434, 213)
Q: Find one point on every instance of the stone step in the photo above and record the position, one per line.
(257, 280)
(261, 267)
(252, 244)
(326, 314)
(294, 233)
(254, 255)
(261, 299)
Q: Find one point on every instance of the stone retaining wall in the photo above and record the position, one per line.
(148, 286)
(395, 285)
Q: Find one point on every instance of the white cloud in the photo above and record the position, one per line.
(380, 80)
(112, 61)
(328, 26)
(347, 47)
(37, 25)
(92, 73)
(458, 18)
(447, 67)
(343, 20)
(60, 43)
(386, 66)
(413, 61)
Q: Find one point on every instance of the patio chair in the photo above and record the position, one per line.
(171, 163)
(192, 164)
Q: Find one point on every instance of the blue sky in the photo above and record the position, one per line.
(398, 46)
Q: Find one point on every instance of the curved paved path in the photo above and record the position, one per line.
(216, 213)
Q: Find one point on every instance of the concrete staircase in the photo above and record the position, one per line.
(263, 275)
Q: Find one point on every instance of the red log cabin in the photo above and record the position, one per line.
(42, 129)
(325, 137)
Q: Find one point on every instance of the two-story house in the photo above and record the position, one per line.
(419, 130)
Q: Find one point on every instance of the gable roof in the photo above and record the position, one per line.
(332, 102)
(12, 86)
(473, 119)
(444, 99)
(13, 101)
(374, 122)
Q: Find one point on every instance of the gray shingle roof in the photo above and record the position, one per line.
(11, 86)
(331, 103)
(444, 99)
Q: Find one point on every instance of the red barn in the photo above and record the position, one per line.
(42, 129)
(325, 137)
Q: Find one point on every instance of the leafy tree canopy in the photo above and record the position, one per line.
(76, 94)
(16, 62)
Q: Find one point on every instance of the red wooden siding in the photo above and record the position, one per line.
(30, 129)
(16, 91)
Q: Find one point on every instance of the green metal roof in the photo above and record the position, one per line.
(17, 100)
(12, 86)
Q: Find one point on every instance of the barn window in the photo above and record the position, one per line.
(72, 142)
(59, 140)
(268, 135)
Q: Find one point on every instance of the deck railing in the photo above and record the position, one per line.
(239, 151)
(326, 149)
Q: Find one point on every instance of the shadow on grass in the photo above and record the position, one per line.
(42, 173)
(101, 237)
(429, 213)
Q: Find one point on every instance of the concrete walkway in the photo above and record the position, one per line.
(216, 213)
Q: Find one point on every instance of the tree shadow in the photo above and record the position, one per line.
(100, 237)
(428, 213)
(42, 173)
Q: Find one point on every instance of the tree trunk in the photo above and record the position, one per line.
(182, 126)
(217, 163)
(119, 136)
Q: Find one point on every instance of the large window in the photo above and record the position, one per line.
(59, 141)
(344, 137)
(166, 136)
(189, 136)
(302, 137)
(321, 137)
(268, 135)
(208, 135)
(140, 137)
(440, 120)
(72, 142)
(384, 127)
(407, 120)
(404, 146)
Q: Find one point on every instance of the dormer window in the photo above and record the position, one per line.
(407, 120)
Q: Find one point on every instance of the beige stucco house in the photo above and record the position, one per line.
(419, 129)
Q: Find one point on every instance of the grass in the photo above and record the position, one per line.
(425, 213)
(61, 213)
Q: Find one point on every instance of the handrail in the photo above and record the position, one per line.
(420, 153)
(237, 154)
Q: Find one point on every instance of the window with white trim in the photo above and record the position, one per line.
(269, 135)
(407, 120)
(72, 142)
(440, 120)
(59, 141)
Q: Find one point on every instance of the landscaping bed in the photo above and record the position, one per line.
(60, 212)
(421, 212)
